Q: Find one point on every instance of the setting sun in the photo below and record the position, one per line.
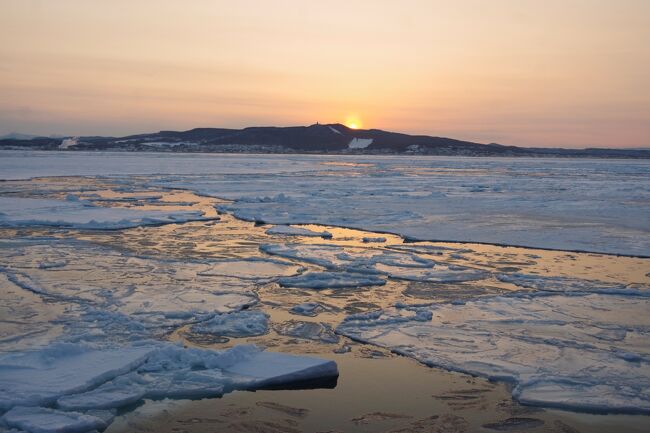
(353, 122)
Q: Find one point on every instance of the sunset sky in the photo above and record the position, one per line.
(570, 73)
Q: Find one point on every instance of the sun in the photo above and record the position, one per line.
(353, 122)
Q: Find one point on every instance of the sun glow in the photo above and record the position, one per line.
(353, 122)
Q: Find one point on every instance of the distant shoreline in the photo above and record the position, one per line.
(317, 139)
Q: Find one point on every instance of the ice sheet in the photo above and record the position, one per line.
(19, 212)
(78, 377)
(571, 204)
(578, 352)
(42, 420)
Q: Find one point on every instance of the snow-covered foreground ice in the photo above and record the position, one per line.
(18, 212)
(48, 390)
(588, 352)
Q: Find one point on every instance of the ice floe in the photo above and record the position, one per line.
(350, 264)
(296, 231)
(307, 330)
(579, 352)
(59, 381)
(437, 274)
(238, 324)
(571, 285)
(98, 292)
(253, 269)
(19, 212)
(330, 280)
(308, 309)
(43, 420)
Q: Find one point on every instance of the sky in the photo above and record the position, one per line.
(569, 73)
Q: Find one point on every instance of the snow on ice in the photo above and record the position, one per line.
(74, 377)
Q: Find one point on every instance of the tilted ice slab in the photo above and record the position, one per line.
(72, 378)
(40, 377)
(579, 352)
(18, 212)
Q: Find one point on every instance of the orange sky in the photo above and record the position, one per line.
(570, 73)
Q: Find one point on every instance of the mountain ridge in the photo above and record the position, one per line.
(333, 138)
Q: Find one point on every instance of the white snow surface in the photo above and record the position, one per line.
(588, 352)
(598, 205)
(74, 377)
(359, 143)
(17, 212)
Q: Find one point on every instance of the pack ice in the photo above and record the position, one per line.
(85, 349)
(601, 205)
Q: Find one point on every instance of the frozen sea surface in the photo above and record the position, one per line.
(568, 204)
(89, 317)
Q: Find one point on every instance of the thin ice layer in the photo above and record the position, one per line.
(579, 352)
